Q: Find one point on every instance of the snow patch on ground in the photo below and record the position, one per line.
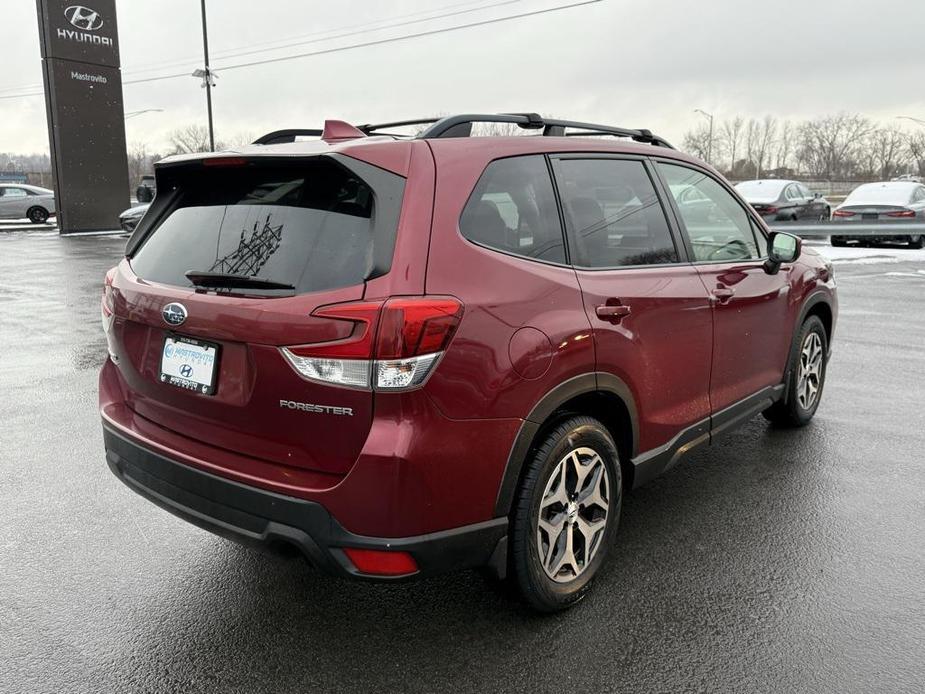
(869, 256)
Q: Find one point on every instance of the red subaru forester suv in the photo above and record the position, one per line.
(406, 355)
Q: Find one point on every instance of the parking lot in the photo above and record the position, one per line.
(771, 561)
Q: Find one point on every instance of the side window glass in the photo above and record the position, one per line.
(719, 229)
(612, 214)
(513, 209)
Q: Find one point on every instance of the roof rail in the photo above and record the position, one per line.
(370, 128)
(280, 136)
(461, 126)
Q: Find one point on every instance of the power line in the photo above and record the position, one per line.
(365, 44)
(407, 37)
(325, 35)
(314, 37)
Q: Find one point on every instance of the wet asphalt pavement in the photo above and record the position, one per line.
(773, 561)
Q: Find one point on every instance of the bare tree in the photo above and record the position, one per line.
(730, 135)
(829, 147)
(767, 130)
(915, 150)
(881, 155)
(192, 138)
(140, 162)
(784, 145)
(697, 141)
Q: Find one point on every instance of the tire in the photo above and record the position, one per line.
(802, 400)
(917, 241)
(37, 215)
(553, 565)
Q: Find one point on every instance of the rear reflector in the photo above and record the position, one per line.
(394, 344)
(843, 213)
(377, 562)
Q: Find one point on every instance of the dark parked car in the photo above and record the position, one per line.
(129, 219)
(407, 356)
(779, 201)
(889, 201)
(146, 190)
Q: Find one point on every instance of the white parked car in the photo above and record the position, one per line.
(22, 201)
(889, 201)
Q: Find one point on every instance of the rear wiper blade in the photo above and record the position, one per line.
(202, 278)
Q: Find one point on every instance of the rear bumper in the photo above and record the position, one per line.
(256, 516)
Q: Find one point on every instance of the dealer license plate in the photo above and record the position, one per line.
(188, 363)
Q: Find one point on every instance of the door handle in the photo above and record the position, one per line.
(612, 314)
(722, 295)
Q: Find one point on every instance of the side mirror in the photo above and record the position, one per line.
(784, 248)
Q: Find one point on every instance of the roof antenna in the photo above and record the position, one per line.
(337, 130)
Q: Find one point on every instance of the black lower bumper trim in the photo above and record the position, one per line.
(256, 516)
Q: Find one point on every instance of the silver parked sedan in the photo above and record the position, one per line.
(22, 201)
(888, 201)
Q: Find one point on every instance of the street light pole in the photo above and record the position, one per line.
(132, 114)
(709, 116)
(208, 76)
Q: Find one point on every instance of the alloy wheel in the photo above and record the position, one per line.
(573, 514)
(809, 375)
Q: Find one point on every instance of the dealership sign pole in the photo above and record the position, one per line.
(83, 99)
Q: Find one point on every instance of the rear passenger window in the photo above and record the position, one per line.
(513, 209)
(613, 215)
(718, 227)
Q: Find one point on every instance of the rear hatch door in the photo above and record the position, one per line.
(230, 264)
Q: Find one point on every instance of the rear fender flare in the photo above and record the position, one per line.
(582, 384)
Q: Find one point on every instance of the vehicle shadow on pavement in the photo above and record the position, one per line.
(694, 545)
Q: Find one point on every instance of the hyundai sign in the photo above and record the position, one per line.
(86, 122)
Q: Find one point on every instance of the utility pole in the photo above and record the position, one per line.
(207, 76)
(709, 116)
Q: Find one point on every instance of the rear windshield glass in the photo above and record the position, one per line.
(881, 194)
(314, 225)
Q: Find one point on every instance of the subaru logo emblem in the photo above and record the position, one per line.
(174, 314)
(83, 17)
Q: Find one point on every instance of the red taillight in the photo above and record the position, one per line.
(901, 213)
(394, 344)
(225, 161)
(360, 344)
(843, 213)
(412, 327)
(377, 562)
(765, 209)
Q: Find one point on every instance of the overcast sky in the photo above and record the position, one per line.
(628, 62)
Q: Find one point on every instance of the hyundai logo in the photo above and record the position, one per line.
(174, 314)
(186, 371)
(83, 17)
